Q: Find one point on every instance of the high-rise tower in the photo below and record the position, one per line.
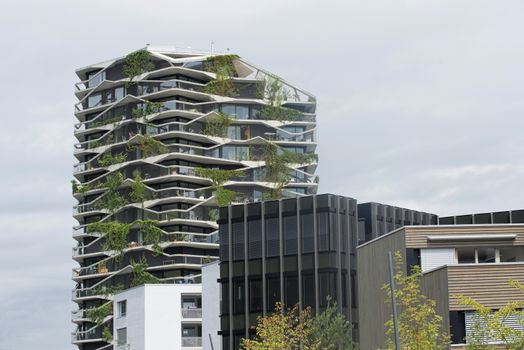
(165, 136)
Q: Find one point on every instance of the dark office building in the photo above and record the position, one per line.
(500, 217)
(376, 219)
(297, 250)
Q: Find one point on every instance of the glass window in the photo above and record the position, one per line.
(122, 308)
(255, 295)
(289, 228)
(119, 93)
(273, 292)
(486, 255)
(255, 239)
(94, 100)
(511, 254)
(327, 287)
(238, 297)
(323, 231)
(238, 240)
(308, 293)
(272, 237)
(242, 112)
(121, 336)
(466, 255)
(308, 243)
(291, 290)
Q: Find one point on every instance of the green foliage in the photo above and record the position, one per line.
(137, 63)
(213, 215)
(138, 189)
(103, 122)
(107, 291)
(283, 330)
(219, 177)
(107, 335)
(277, 167)
(98, 314)
(147, 109)
(152, 234)
(331, 330)
(279, 113)
(419, 325)
(108, 159)
(74, 186)
(217, 124)
(116, 234)
(148, 146)
(491, 325)
(140, 275)
(224, 69)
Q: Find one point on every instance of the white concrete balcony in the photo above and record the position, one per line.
(191, 342)
(191, 313)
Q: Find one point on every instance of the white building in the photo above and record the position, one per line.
(158, 316)
(211, 307)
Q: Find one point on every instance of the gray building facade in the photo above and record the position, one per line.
(296, 250)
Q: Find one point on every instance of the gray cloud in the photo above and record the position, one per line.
(419, 105)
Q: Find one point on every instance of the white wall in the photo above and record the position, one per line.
(431, 258)
(154, 315)
(211, 307)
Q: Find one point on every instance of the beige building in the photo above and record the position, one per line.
(471, 260)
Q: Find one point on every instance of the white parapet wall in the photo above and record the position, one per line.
(158, 316)
(211, 307)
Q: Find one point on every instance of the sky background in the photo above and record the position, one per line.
(419, 105)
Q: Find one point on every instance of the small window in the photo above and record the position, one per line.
(466, 255)
(122, 308)
(511, 254)
(486, 255)
(121, 336)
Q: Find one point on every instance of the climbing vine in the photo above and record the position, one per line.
(145, 109)
(116, 234)
(111, 199)
(108, 159)
(137, 63)
(152, 234)
(140, 274)
(217, 124)
(218, 177)
(272, 90)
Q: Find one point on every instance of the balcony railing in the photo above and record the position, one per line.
(91, 334)
(191, 313)
(191, 342)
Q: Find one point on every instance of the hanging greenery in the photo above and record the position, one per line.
(145, 109)
(152, 234)
(140, 274)
(217, 124)
(138, 189)
(98, 314)
(277, 163)
(272, 90)
(282, 114)
(107, 291)
(219, 177)
(224, 69)
(137, 63)
(107, 335)
(116, 235)
(148, 146)
(108, 159)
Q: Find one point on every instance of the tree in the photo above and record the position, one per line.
(490, 326)
(331, 331)
(419, 325)
(283, 330)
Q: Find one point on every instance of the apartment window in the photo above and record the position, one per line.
(238, 297)
(290, 234)
(255, 239)
(121, 336)
(511, 254)
(255, 295)
(485, 255)
(273, 292)
(122, 308)
(94, 100)
(307, 233)
(272, 237)
(291, 290)
(466, 255)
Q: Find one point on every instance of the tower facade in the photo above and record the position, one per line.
(165, 137)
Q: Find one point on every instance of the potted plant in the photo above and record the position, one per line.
(102, 267)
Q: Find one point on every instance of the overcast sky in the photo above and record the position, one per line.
(419, 105)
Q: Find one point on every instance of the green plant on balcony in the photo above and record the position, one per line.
(277, 167)
(272, 90)
(218, 178)
(107, 291)
(217, 124)
(108, 159)
(107, 336)
(140, 274)
(99, 313)
(74, 186)
(93, 144)
(152, 234)
(213, 215)
(224, 68)
(147, 108)
(148, 146)
(115, 233)
(137, 63)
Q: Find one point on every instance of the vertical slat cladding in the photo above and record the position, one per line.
(246, 274)
(281, 251)
(315, 242)
(263, 223)
(487, 284)
(374, 311)
(230, 288)
(299, 257)
(416, 237)
(434, 285)
(339, 254)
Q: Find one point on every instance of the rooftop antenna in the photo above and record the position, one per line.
(212, 43)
